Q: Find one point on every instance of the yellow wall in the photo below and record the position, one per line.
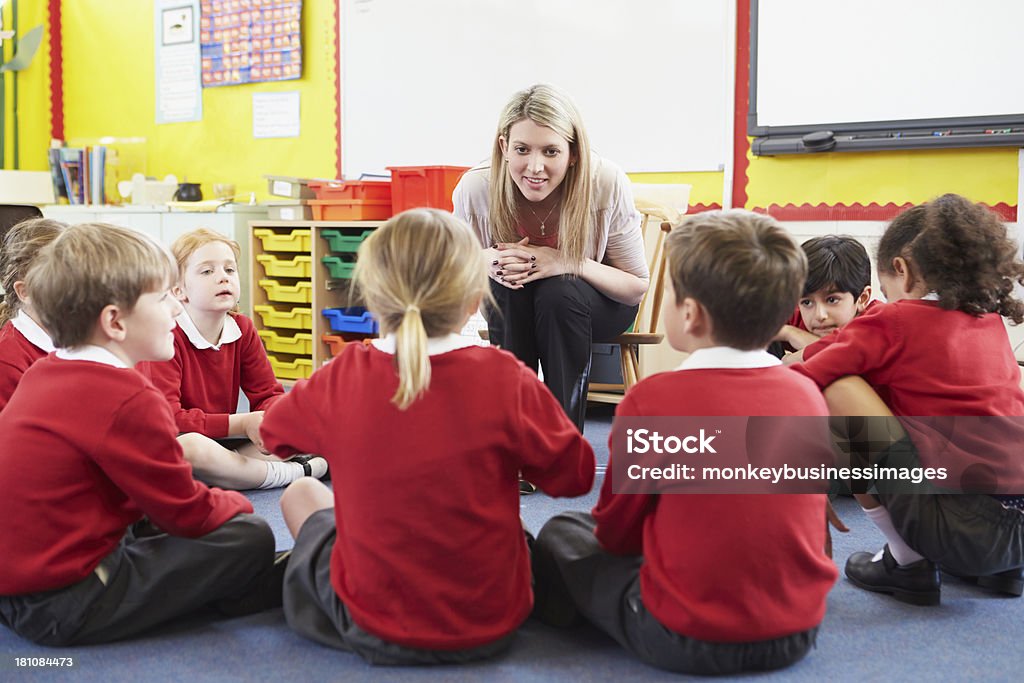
(900, 177)
(109, 90)
(33, 92)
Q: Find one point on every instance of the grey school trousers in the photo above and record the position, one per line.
(150, 579)
(605, 588)
(313, 609)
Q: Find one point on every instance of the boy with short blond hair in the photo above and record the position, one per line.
(652, 570)
(89, 449)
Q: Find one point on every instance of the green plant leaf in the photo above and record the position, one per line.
(27, 47)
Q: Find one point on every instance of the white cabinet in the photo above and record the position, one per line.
(165, 225)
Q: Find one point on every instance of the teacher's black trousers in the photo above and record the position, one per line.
(554, 321)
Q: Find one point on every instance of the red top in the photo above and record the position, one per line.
(923, 360)
(549, 240)
(430, 551)
(724, 568)
(16, 355)
(797, 320)
(202, 385)
(80, 466)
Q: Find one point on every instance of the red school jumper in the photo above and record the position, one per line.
(17, 353)
(920, 358)
(202, 385)
(80, 466)
(430, 551)
(724, 568)
(923, 360)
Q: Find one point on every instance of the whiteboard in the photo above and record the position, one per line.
(424, 81)
(831, 62)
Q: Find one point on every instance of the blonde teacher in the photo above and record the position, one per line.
(561, 239)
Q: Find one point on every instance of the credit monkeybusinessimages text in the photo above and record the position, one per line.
(701, 442)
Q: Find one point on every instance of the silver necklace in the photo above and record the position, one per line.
(543, 227)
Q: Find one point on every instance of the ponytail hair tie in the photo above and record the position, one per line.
(412, 308)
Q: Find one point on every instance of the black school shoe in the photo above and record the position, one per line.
(917, 583)
(1009, 582)
(304, 460)
(265, 593)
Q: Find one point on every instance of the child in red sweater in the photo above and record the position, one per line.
(72, 574)
(837, 290)
(23, 340)
(938, 348)
(217, 353)
(709, 584)
(391, 566)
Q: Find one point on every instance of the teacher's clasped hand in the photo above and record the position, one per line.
(561, 238)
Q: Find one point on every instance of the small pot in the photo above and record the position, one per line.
(188, 192)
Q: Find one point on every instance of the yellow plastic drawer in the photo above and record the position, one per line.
(300, 266)
(292, 319)
(299, 239)
(300, 368)
(299, 293)
(300, 344)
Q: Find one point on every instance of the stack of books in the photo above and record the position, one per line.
(78, 174)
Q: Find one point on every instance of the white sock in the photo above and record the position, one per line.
(901, 552)
(281, 473)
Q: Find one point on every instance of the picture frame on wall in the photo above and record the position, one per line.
(177, 25)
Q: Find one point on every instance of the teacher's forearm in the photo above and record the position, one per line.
(615, 284)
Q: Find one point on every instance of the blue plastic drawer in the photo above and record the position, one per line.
(355, 319)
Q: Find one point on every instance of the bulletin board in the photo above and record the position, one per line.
(879, 74)
(249, 41)
(423, 83)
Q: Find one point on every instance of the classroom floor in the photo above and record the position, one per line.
(972, 635)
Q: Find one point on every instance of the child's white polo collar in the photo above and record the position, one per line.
(96, 354)
(31, 331)
(231, 332)
(728, 358)
(435, 345)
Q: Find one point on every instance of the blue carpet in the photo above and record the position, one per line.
(972, 635)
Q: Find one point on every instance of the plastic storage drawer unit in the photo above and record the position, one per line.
(299, 293)
(339, 268)
(300, 266)
(351, 209)
(376, 190)
(300, 368)
(293, 319)
(299, 239)
(341, 241)
(355, 319)
(334, 343)
(300, 344)
(416, 186)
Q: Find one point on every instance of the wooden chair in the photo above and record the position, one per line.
(645, 328)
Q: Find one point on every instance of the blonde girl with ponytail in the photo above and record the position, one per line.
(23, 340)
(434, 574)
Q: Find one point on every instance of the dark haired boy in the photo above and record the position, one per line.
(708, 584)
(837, 290)
(89, 448)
